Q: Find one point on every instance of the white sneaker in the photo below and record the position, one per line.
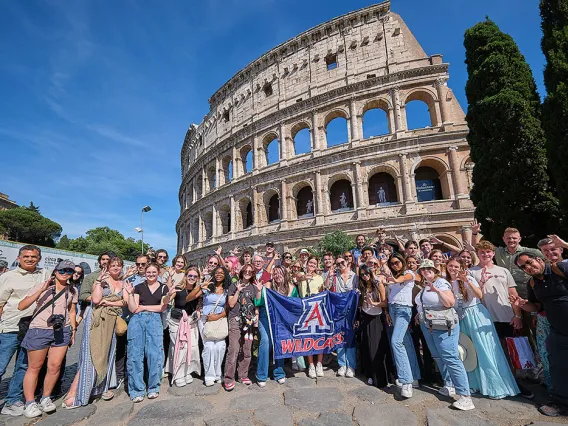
(180, 383)
(188, 380)
(209, 384)
(312, 372)
(415, 384)
(46, 405)
(341, 371)
(464, 403)
(32, 410)
(319, 370)
(406, 391)
(448, 391)
(350, 373)
(370, 381)
(261, 384)
(281, 380)
(16, 409)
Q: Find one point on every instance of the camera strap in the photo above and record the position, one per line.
(50, 303)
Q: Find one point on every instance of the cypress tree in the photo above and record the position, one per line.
(506, 138)
(554, 14)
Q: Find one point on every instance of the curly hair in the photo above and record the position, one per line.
(226, 280)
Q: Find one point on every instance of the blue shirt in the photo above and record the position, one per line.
(136, 279)
(209, 300)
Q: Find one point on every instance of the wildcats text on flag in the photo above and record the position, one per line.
(316, 324)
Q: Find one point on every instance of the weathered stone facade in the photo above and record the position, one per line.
(365, 60)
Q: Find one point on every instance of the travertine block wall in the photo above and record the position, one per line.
(378, 64)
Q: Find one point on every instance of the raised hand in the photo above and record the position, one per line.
(128, 287)
(218, 251)
(485, 276)
(205, 284)
(435, 240)
(475, 227)
(240, 286)
(557, 241)
(467, 245)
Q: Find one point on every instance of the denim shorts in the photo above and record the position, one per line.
(42, 338)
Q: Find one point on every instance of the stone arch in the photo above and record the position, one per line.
(227, 168)
(375, 118)
(271, 149)
(447, 238)
(246, 219)
(198, 186)
(424, 95)
(301, 138)
(271, 203)
(336, 125)
(340, 193)
(382, 189)
(432, 179)
(246, 158)
(225, 219)
(211, 178)
(208, 224)
(305, 202)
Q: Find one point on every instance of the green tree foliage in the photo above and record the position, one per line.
(554, 14)
(337, 242)
(103, 239)
(27, 225)
(506, 138)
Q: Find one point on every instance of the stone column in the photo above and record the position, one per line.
(283, 142)
(255, 154)
(193, 191)
(315, 133)
(218, 174)
(395, 95)
(236, 163)
(213, 223)
(255, 210)
(318, 195)
(358, 185)
(354, 122)
(205, 181)
(408, 201)
(284, 201)
(460, 191)
(440, 85)
(200, 231)
(353, 192)
(233, 217)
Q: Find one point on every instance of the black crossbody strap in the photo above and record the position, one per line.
(50, 303)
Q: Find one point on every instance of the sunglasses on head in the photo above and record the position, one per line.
(141, 264)
(66, 271)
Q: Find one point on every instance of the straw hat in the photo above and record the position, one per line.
(467, 353)
(427, 263)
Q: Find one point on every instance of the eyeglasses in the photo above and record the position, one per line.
(287, 257)
(340, 263)
(396, 262)
(248, 271)
(162, 257)
(77, 272)
(213, 263)
(527, 263)
(66, 271)
(382, 256)
(349, 256)
(141, 264)
(192, 276)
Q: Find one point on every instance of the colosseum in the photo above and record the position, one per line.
(246, 177)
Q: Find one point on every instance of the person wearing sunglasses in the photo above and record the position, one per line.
(400, 284)
(142, 262)
(344, 280)
(161, 260)
(349, 258)
(51, 332)
(287, 260)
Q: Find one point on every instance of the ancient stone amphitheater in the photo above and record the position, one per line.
(247, 177)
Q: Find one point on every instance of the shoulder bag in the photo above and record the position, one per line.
(216, 330)
(24, 323)
(443, 319)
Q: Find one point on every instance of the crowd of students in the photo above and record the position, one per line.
(418, 303)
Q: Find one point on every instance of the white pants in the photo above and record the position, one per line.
(185, 368)
(213, 354)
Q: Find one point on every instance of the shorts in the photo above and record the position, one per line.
(504, 329)
(43, 338)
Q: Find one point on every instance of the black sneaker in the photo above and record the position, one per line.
(525, 393)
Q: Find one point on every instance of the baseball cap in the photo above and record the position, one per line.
(65, 264)
(270, 243)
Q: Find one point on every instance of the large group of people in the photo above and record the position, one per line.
(420, 303)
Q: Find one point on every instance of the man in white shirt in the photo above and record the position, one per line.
(14, 285)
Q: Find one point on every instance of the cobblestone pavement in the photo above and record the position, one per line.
(327, 401)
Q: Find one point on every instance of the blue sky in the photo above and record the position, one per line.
(96, 96)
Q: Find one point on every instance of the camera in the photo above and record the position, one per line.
(56, 321)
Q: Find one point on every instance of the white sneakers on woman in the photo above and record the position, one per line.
(319, 370)
(34, 409)
(464, 403)
(406, 390)
(448, 391)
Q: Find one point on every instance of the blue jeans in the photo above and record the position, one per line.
(145, 340)
(401, 343)
(8, 346)
(347, 357)
(444, 348)
(264, 350)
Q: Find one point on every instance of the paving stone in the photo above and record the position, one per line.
(208, 390)
(418, 397)
(542, 424)
(510, 407)
(328, 419)
(370, 394)
(117, 413)
(384, 414)
(63, 417)
(299, 382)
(450, 417)
(171, 411)
(187, 390)
(230, 418)
(15, 421)
(273, 416)
(253, 401)
(314, 400)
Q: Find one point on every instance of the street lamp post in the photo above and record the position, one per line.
(145, 209)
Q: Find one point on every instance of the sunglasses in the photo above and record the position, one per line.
(382, 256)
(365, 274)
(141, 264)
(162, 257)
(248, 271)
(340, 263)
(396, 262)
(213, 263)
(66, 271)
(192, 276)
(287, 257)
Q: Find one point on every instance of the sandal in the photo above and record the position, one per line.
(107, 396)
(70, 406)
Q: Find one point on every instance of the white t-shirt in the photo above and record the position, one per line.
(401, 293)
(472, 300)
(496, 292)
(431, 298)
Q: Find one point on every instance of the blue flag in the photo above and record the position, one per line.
(316, 324)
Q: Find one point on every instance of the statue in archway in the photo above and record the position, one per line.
(382, 195)
(343, 201)
(309, 206)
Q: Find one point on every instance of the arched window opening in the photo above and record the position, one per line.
(225, 217)
(302, 142)
(375, 123)
(212, 178)
(246, 158)
(229, 175)
(248, 220)
(227, 170)
(199, 187)
(382, 190)
(418, 115)
(341, 197)
(195, 231)
(305, 202)
(208, 219)
(336, 132)
(274, 209)
(428, 186)
(272, 148)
